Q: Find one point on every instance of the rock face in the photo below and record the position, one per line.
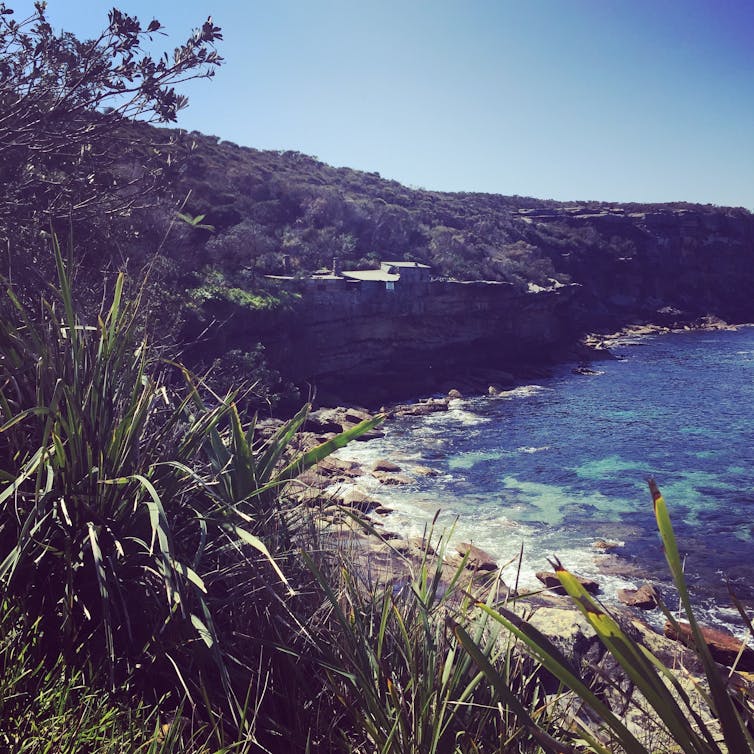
(666, 264)
(723, 646)
(366, 344)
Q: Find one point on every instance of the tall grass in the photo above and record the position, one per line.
(405, 684)
(141, 528)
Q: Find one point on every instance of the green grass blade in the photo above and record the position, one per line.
(736, 738)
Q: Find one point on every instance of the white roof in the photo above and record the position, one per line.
(379, 275)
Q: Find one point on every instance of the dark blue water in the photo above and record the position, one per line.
(557, 465)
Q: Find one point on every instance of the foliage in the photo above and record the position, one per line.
(714, 719)
(70, 152)
(53, 707)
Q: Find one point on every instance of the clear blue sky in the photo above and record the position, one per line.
(642, 100)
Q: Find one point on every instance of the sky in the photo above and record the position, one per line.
(640, 100)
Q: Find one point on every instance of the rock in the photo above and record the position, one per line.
(723, 646)
(423, 545)
(586, 371)
(356, 498)
(478, 559)
(386, 477)
(424, 471)
(552, 582)
(493, 390)
(645, 597)
(325, 420)
(356, 415)
(454, 393)
(605, 545)
(614, 565)
(424, 408)
(567, 627)
(336, 468)
(336, 420)
(385, 465)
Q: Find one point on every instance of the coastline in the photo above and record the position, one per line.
(345, 475)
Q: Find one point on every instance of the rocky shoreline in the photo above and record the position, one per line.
(351, 515)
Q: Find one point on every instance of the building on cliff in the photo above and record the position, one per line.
(391, 276)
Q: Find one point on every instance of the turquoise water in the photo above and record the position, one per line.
(556, 465)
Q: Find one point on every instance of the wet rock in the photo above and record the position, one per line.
(386, 477)
(552, 582)
(723, 646)
(614, 565)
(423, 408)
(478, 559)
(454, 393)
(337, 420)
(494, 390)
(645, 597)
(385, 465)
(606, 545)
(424, 471)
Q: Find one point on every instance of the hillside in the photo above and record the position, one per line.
(284, 212)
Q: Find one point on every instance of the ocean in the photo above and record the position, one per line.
(555, 466)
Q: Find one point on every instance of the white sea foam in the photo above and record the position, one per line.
(524, 391)
(532, 449)
(456, 414)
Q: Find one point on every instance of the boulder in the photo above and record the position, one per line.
(645, 597)
(424, 471)
(336, 420)
(723, 646)
(336, 468)
(478, 559)
(423, 408)
(454, 393)
(552, 582)
(356, 415)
